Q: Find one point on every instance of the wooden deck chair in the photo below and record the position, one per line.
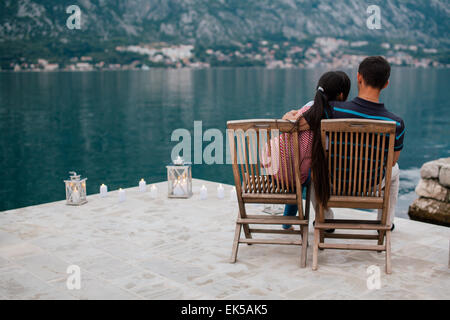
(360, 155)
(261, 178)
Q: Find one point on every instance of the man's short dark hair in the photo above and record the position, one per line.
(375, 71)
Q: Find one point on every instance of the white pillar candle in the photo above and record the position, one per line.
(122, 195)
(178, 190)
(153, 192)
(203, 193)
(103, 190)
(220, 192)
(142, 185)
(75, 196)
(183, 184)
(233, 196)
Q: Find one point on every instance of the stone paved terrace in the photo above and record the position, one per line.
(180, 249)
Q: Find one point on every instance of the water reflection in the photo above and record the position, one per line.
(115, 127)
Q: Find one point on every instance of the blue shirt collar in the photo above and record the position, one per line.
(368, 104)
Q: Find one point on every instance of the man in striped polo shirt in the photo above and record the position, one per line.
(373, 76)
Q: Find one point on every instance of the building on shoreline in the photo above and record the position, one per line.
(324, 52)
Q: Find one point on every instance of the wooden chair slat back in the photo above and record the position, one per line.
(359, 154)
(265, 156)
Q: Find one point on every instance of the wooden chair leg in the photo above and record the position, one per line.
(381, 233)
(381, 237)
(388, 252)
(308, 202)
(243, 214)
(322, 237)
(316, 249)
(237, 236)
(247, 233)
(304, 246)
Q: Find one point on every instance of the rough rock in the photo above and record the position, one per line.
(432, 189)
(444, 175)
(430, 170)
(430, 210)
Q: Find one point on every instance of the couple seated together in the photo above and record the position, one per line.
(330, 102)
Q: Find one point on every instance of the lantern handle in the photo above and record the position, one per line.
(73, 175)
(179, 161)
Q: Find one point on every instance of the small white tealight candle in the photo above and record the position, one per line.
(203, 193)
(233, 196)
(153, 192)
(122, 195)
(142, 185)
(103, 190)
(220, 192)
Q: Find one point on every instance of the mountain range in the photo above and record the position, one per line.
(27, 25)
(226, 21)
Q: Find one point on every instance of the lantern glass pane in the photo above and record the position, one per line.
(179, 181)
(76, 192)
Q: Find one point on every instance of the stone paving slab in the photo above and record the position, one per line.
(165, 248)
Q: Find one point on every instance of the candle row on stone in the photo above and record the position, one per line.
(122, 194)
(154, 191)
(220, 193)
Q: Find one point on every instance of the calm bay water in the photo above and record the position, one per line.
(115, 127)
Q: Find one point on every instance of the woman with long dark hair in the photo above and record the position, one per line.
(332, 86)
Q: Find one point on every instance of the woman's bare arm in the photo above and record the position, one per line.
(294, 116)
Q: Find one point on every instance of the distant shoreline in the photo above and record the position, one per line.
(210, 68)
